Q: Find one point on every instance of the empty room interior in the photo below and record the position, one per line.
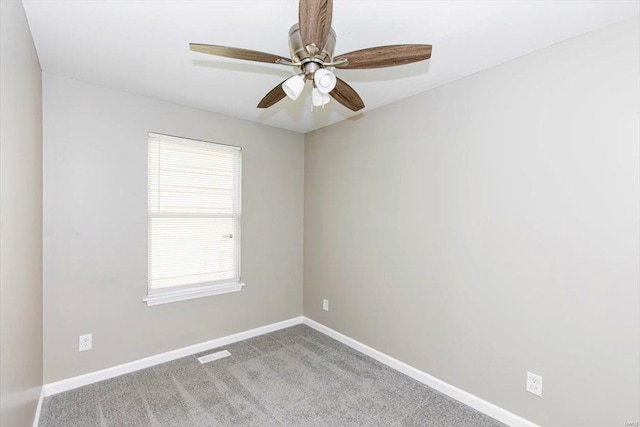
(320, 213)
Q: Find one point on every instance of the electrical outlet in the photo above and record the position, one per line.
(534, 384)
(325, 304)
(85, 342)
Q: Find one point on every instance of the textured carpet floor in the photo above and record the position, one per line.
(293, 377)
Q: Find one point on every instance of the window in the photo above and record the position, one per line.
(193, 219)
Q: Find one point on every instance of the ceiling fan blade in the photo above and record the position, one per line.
(314, 17)
(237, 53)
(346, 95)
(384, 56)
(274, 96)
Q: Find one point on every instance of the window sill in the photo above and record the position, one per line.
(166, 297)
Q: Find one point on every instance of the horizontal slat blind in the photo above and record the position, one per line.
(194, 212)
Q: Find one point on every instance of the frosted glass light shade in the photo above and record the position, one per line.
(325, 80)
(293, 86)
(319, 99)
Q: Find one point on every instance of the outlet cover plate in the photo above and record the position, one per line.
(325, 304)
(534, 384)
(85, 342)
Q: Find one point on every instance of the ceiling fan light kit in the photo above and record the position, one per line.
(311, 43)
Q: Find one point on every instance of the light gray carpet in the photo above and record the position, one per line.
(293, 377)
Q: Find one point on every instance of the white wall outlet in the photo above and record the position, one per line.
(85, 342)
(325, 304)
(534, 384)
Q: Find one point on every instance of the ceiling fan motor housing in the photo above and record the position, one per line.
(299, 53)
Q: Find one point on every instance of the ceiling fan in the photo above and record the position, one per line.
(312, 42)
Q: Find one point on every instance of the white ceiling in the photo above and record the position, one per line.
(142, 46)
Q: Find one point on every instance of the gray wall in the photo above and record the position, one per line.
(95, 228)
(490, 227)
(20, 219)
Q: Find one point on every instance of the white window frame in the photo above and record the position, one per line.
(198, 290)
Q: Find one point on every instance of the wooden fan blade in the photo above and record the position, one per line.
(314, 17)
(274, 96)
(385, 56)
(237, 53)
(346, 95)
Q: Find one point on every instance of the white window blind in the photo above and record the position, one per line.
(194, 213)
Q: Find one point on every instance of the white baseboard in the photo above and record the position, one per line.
(36, 418)
(468, 399)
(136, 365)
